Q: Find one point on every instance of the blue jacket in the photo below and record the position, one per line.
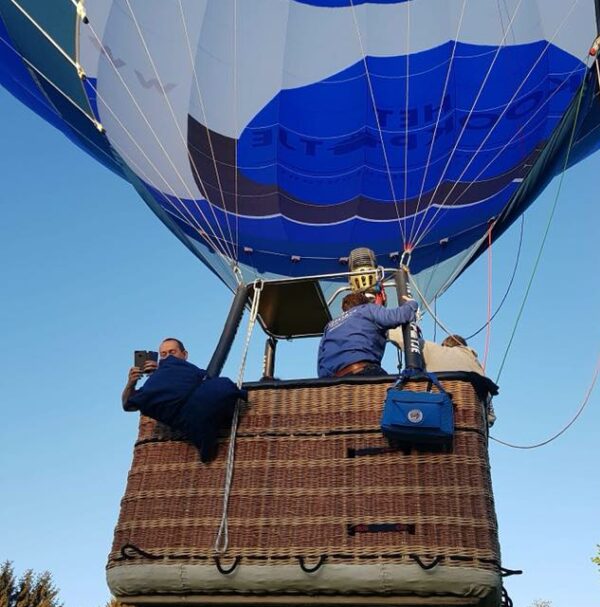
(359, 334)
(179, 394)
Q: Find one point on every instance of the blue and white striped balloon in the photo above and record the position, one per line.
(274, 136)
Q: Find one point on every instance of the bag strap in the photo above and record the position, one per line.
(412, 374)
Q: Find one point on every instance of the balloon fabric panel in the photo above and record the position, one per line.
(273, 130)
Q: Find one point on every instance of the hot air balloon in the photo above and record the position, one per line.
(272, 137)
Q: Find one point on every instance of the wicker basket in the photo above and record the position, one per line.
(320, 507)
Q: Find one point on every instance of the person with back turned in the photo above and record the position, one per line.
(353, 343)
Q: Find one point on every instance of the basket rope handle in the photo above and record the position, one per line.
(436, 561)
(223, 570)
(316, 567)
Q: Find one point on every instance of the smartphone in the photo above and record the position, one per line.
(141, 356)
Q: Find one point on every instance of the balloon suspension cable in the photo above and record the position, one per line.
(46, 35)
(78, 68)
(594, 49)
(546, 231)
(211, 239)
(208, 133)
(227, 245)
(222, 539)
(443, 207)
(488, 323)
(508, 288)
(427, 306)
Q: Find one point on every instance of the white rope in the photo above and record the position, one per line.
(406, 108)
(465, 123)
(507, 210)
(214, 244)
(236, 129)
(566, 427)
(229, 252)
(415, 286)
(442, 207)
(222, 539)
(214, 240)
(200, 97)
(81, 74)
(204, 118)
(91, 118)
(49, 38)
(97, 124)
(438, 118)
(373, 103)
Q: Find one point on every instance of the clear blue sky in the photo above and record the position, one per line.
(89, 274)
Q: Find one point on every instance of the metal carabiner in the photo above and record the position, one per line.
(405, 258)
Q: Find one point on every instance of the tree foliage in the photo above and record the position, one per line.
(30, 590)
(596, 559)
(541, 603)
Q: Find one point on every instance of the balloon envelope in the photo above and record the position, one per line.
(273, 136)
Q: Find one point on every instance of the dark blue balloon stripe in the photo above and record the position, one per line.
(90, 90)
(347, 3)
(274, 240)
(335, 154)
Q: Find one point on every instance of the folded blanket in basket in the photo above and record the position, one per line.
(180, 395)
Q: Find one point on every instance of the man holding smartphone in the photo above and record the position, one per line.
(169, 346)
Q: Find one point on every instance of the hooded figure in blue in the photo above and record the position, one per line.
(353, 343)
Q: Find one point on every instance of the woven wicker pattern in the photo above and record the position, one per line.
(311, 466)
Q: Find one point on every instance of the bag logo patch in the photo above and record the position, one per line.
(415, 416)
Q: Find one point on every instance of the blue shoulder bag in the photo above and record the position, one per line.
(418, 418)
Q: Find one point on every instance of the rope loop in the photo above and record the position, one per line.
(316, 567)
(230, 570)
(131, 551)
(222, 539)
(237, 272)
(258, 285)
(506, 600)
(436, 561)
(504, 572)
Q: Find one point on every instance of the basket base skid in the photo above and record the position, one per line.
(281, 601)
(407, 585)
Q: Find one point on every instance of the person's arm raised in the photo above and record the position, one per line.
(394, 317)
(132, 379)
